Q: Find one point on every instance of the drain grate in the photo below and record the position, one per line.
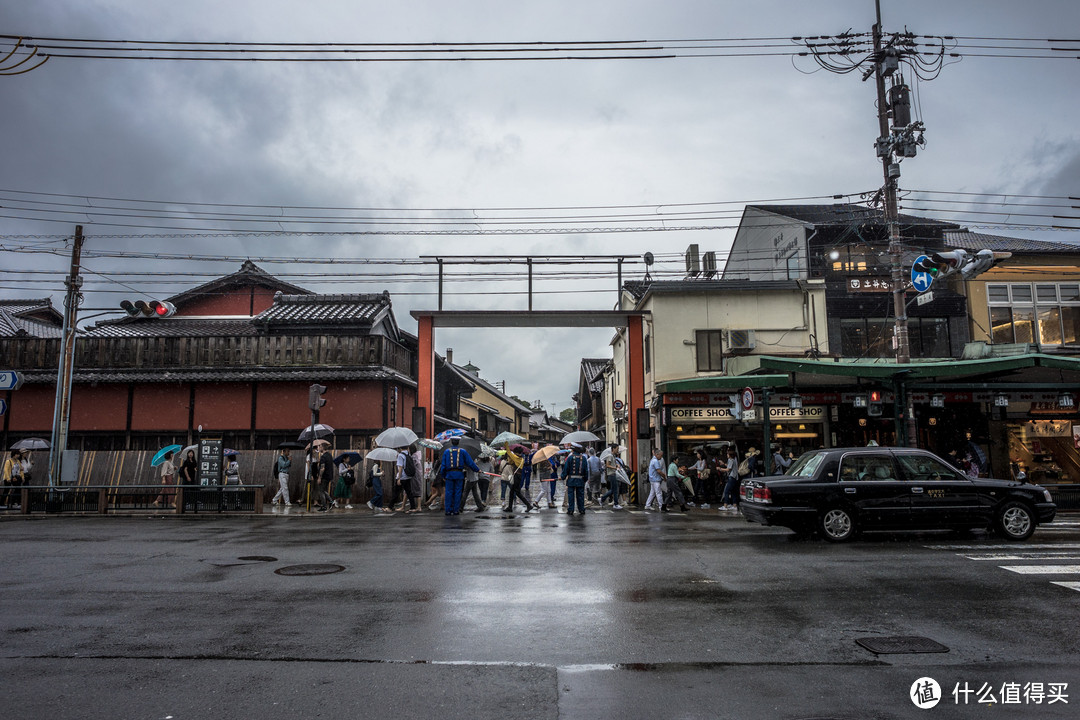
(257, 558)
(309, 570)
(901, 644)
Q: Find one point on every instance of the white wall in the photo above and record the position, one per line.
(763, 246)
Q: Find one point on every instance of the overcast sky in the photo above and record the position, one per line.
(473, 136)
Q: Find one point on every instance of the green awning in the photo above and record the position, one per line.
(719, 383)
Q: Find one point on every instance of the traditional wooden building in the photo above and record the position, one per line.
(237, 359)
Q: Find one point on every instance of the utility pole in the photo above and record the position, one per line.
(62, 406)
(891, 171)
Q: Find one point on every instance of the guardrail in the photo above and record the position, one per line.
(1066, 495)
(104, 499)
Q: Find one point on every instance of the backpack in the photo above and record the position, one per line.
(744, 467)
(410, 466)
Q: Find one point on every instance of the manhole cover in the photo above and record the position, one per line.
(309, 570)
(257, 558)
(901, 644)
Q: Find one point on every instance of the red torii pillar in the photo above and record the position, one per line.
(425, 383)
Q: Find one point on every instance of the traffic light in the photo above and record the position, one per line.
(940, 265)
(315, 396)
(153, 309)
(873, 403)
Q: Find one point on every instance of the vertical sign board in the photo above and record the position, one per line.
(210, 461)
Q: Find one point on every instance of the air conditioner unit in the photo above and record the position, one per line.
(693, 266)
(741, 340)
(708, 263)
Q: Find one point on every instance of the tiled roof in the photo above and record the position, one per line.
(965, 240)
(176, 326)
(17, 318)
(248, 274)
(593, 369)
(843, 214)
(325, 309)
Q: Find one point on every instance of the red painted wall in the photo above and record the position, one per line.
(162, 407)
(284, 406)
(31, 409)
(236, 302)
(103, 407)
(222, 406)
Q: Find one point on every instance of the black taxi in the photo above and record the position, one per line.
(841, 491)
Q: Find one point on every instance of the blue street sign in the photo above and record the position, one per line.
(921, 281)
(3, 407)
(10, 380)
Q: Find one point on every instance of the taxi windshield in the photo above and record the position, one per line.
(806, 465)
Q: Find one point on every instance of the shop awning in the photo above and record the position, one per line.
(715, 383)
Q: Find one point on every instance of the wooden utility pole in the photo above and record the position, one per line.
(62, 406)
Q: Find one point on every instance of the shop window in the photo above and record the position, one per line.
(1042, 313)
(871, 337)
(710, 354)
(929, 337)
(648, 353)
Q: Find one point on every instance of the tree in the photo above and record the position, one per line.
(526, 403)
(569, 415)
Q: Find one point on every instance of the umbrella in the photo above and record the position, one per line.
(545, 452)
(519, 450)
(430, 444)
(607, 451)
(621, 474)
(486, 450)
(506, 437)
(230, 453)
(33, 444)
(469, 445)
(290, 445)
(349, 458)
(396, 437)
(318, 445)
(383, 454)
(321, 431)
(447, 434)
(184, 452)
(160, 457)
(579, 436)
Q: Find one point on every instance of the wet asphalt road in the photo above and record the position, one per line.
(615, 615)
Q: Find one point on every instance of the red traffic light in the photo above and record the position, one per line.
(154, 308)
(875, 396)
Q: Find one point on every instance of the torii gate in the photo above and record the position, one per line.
(632, 320)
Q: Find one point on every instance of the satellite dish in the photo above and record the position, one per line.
(649, 258)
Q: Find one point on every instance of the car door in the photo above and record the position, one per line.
(940, 495)
(869, 482)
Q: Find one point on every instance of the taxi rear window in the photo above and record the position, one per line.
(806, 466)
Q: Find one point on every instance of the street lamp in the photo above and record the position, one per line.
(795, 403)
(1065, 400)
(1001, 400)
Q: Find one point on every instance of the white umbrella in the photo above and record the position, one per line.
(507, 437)
(383, 454)
(579, 436)
(321, 431)
(396, 437)
(607, 451)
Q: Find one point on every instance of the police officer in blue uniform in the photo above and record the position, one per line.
(452, 468)
(575, 471)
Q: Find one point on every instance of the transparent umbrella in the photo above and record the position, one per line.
(396, 437)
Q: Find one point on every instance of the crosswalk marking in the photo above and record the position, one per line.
(1041, 558)
(1042, 569)
(1070, 585)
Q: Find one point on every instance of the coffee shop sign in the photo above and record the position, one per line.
(721, 413)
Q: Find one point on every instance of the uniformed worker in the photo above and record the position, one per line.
(575, 471)
(454, 462)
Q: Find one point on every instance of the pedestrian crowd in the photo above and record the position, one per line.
(525, 478)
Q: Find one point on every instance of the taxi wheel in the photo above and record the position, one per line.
(1015, 521)
(837, 525)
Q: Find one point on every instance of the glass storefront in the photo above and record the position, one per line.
(1046, 448)
(714, 429)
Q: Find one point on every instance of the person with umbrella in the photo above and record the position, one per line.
(322, 471)
(168, 475)
(522, 467)
(12, 478)
(189, 469)
(454, 462)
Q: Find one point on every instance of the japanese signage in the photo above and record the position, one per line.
(869, 284)
(210, 461)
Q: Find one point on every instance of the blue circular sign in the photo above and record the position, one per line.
(920, 280)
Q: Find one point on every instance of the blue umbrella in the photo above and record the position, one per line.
(230, 453)
(349, 458)
(160, 457)
(447, 434)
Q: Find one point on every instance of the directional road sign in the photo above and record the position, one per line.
(920, 280)
(10, 380)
